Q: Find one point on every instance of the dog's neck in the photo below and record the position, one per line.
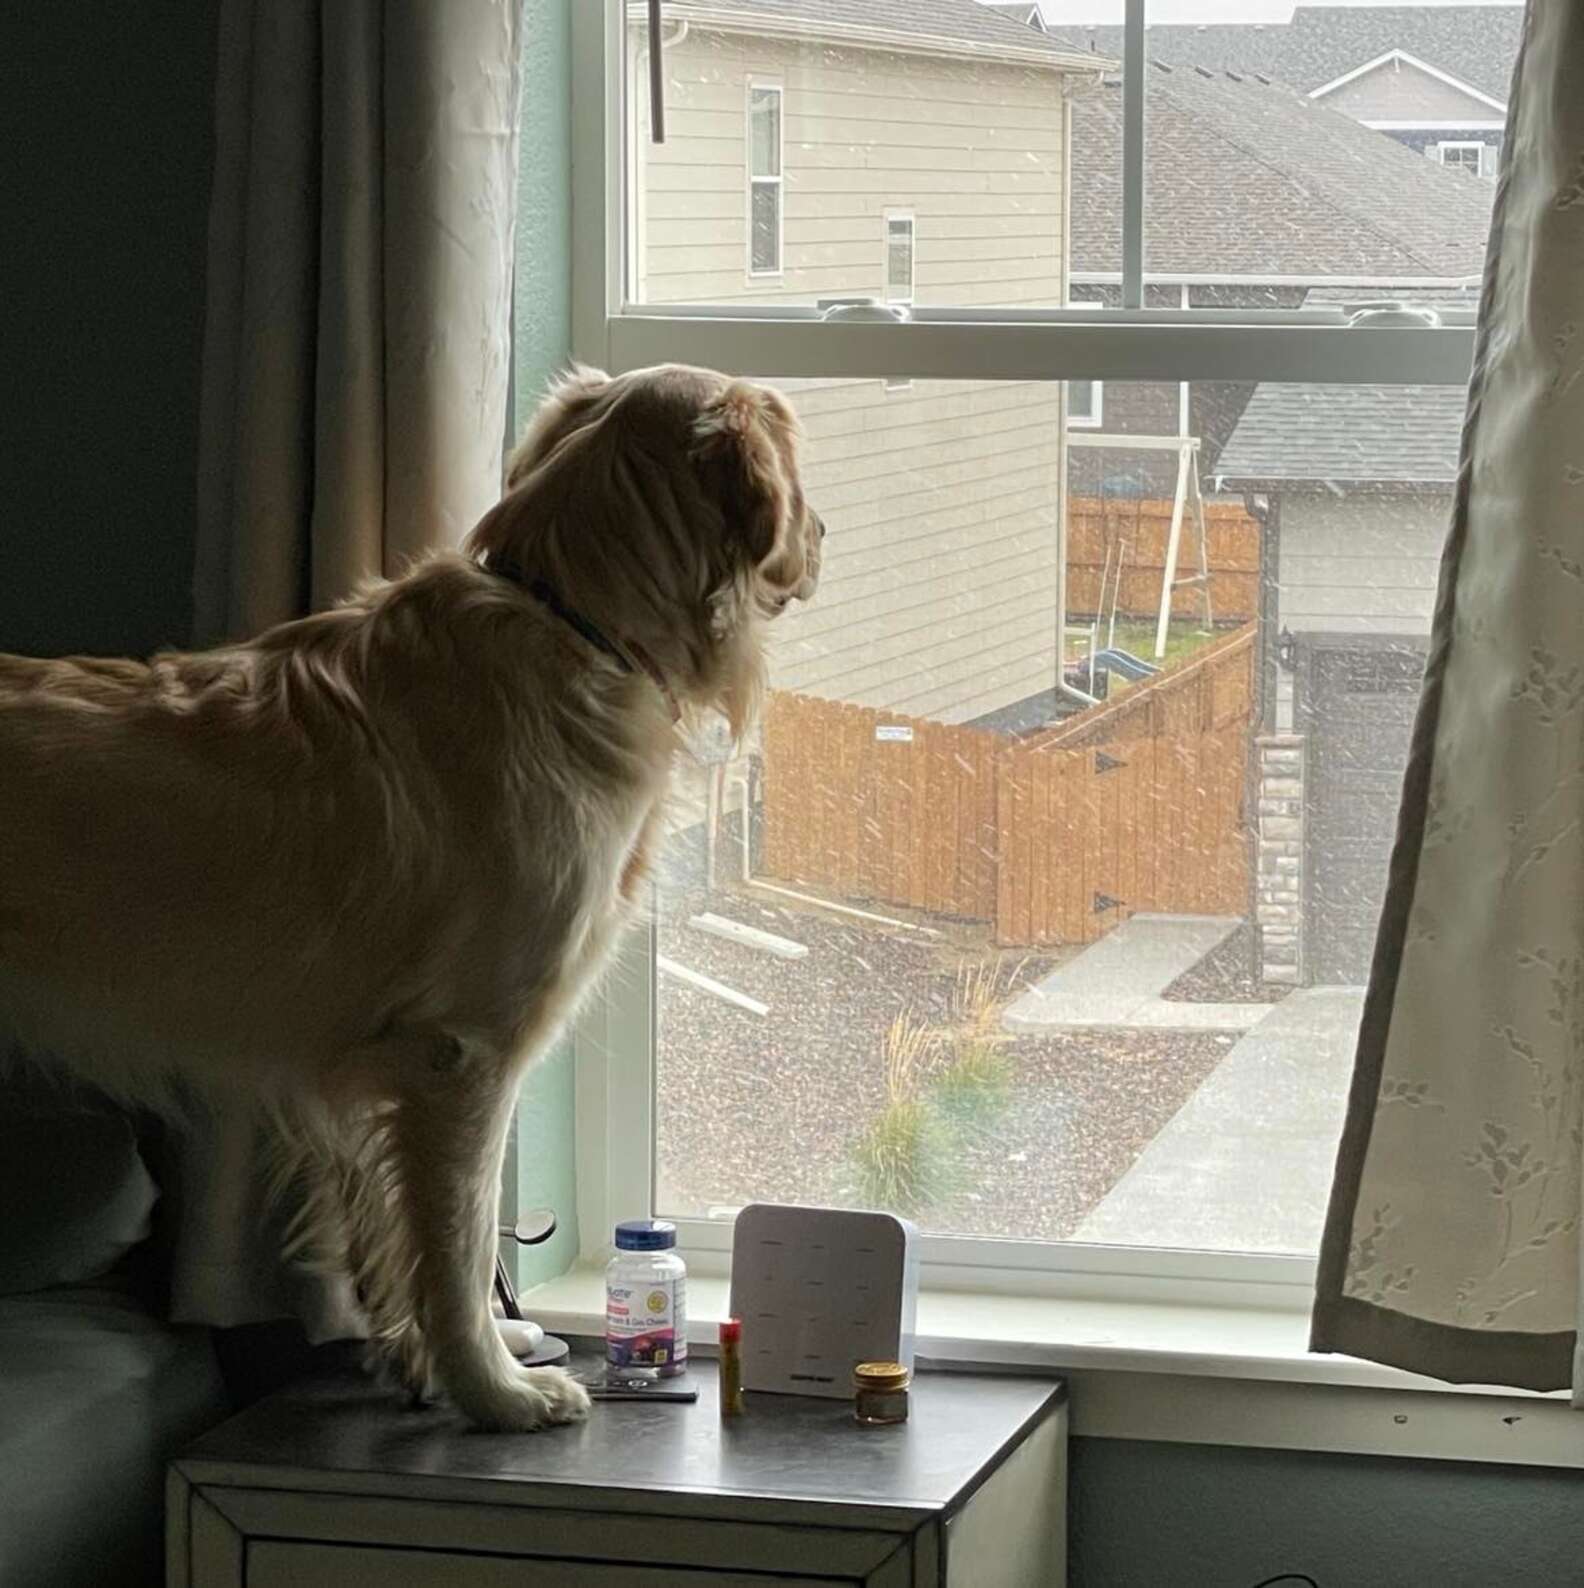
(627, 654)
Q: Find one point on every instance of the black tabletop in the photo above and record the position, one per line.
(786, 1448)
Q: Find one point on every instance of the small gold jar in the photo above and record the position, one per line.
(880, 1393)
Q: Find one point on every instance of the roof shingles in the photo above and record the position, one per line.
(1249, 178)
(1475, 44)
(1345, 435)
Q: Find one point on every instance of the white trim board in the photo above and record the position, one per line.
(1403, 57)
(1183, 1375)
(1471, 125)
(1174, 278)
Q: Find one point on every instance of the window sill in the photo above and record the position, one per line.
(1185, 1374)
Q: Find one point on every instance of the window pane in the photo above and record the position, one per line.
(765, 104)
(961, 122)
(1020, 965)
(899, 260)
(1083, 402)
(766, 226)
(1279, 155)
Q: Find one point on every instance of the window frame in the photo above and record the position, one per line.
(757, 84)
(1485, 155)
(615, 1036)
(1444, 145)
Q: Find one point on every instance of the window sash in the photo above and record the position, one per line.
(1091, 415)
(900, 243)
(770, 186)
(616, 1035)
(764, 105)
(619, 334)
(765, 141)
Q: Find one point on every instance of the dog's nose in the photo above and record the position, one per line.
(819, 524)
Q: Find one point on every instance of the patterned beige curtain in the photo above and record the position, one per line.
(357, 340)
(356, 354)
(1453, 1239)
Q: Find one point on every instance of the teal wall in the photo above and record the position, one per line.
(542, 1171)
(108, 151)
(1199, 1516)
(543, 302)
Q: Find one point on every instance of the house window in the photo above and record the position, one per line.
(1085, 398)
(765, 221)
(954, 794)
(1479, 159)
(899, 259)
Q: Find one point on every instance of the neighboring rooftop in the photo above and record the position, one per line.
(1475, 44)
(1345, 435)
(1024, 11)
(1249, 178)
(955, 26)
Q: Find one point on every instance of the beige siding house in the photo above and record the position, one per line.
(913, 152)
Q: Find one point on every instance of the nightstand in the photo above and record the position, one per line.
(336, 1482)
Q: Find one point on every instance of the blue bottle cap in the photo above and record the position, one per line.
(645, 1235)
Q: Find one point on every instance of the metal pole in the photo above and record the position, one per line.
(657, 128)
(1133, 157)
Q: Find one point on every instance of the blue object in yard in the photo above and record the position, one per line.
(1129, 666)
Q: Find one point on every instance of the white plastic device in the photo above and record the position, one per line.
(522, 1336)
(818, 1291)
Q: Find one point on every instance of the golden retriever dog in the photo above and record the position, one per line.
(362, 868)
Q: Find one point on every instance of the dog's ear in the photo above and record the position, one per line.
(564, 407)
(739, 441)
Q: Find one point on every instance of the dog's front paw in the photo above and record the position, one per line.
(566, 1400)
(529, 1399)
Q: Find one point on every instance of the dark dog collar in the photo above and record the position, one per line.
(633, 658)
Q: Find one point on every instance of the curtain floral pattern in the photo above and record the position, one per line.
(1452, 1245)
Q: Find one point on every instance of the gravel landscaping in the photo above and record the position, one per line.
(1226, 975)
(754, 1108)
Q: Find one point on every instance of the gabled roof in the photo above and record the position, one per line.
(1345, 435)
(956, 27)
(1246, 177)
(1024, 11)
(1477, 45)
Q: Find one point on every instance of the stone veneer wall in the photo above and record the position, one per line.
(1279, 857)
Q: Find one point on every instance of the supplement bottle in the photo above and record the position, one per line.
(646, 1302)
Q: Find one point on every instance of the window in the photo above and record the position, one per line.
(1476, 158)
(1085, 398)
(1084, 404)
(899, 259)
(764, 180)
(1062, 680)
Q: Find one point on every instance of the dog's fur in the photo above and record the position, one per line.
(361, 868)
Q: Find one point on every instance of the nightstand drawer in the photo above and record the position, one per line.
(293, 1565)
(269, 1536)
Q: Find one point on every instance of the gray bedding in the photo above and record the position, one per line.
(96, 1395)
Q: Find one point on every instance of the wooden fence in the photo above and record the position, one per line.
(878, 806)
(1055, 838)
(1134, 533)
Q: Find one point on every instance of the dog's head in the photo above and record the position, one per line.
(666, 505)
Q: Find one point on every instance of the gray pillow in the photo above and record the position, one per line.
(75, 1195)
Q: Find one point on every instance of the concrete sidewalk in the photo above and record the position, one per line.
(1246, 1163)
(1119, 980)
